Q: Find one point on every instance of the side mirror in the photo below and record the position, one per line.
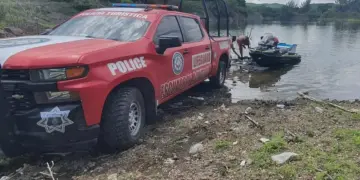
(46, 32)
(166, 42)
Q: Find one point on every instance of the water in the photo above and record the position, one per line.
(330, 66)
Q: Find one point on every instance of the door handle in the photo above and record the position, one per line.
(186, 51)
(207, 48)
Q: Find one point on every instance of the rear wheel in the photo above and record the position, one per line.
(123, 120)
(219, 80)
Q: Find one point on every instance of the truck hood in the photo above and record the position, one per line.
(48, 51)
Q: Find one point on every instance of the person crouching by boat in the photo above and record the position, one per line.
(269, 41)
(242, 42)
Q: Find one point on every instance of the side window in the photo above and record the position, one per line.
(168, 26)
(191, 28)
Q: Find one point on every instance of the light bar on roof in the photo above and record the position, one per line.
(153, 6)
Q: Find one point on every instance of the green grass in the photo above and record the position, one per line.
(349, 138)
(222, 144)
(355, 116)
(262, 157)
(353, 20)
(288, 171)
(333, 156)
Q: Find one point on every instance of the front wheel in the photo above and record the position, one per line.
(123, 120)
(219, 80)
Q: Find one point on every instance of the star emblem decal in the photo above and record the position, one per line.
(55, 120)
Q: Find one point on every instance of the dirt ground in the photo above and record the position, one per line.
(326, 140)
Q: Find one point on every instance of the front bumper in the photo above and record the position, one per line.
(59, 127)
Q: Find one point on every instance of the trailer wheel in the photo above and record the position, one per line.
(123, 120)
(219, 80)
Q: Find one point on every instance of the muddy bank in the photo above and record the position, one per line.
(227, 144)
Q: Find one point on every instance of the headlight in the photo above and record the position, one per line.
(55, 97)
(58, 74)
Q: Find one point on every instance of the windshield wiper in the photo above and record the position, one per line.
(114, 39)
(88, 36)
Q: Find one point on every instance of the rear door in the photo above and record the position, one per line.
(198, 45)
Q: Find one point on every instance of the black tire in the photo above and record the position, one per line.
(115, 126)
(219, 80)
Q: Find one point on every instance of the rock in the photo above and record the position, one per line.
(319, 109)
(249, 161)
(2, 34)
(98, 169)
(15, 31)
(248, 110)
(175, 157)
(207, 122)
(283, 157)
(200, 117)
(169, 161)
(196, 148)
(91, 164)
(198, 98)
(232, 158)
(281, 106)
(178, 104)
(5, 178)
(112, 176)
(223, 108)
(2, 153)
(236, 129)
(243, 162)
(264, 140)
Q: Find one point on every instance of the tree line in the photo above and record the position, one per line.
(307, 11)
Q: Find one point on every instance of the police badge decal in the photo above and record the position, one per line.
(177, 63)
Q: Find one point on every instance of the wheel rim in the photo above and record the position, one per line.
(222, 75)
(134, 118)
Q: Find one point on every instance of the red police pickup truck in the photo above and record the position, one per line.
(97, 79)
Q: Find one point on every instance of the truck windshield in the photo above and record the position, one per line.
(104, 27)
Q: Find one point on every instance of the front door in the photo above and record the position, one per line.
(174, 65)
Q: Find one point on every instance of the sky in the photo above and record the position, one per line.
(285, 1)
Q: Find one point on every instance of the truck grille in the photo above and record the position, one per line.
(9, 74)
(19, 99)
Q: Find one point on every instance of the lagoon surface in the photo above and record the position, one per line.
(330, 66)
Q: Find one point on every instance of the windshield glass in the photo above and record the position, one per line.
(105, 27)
